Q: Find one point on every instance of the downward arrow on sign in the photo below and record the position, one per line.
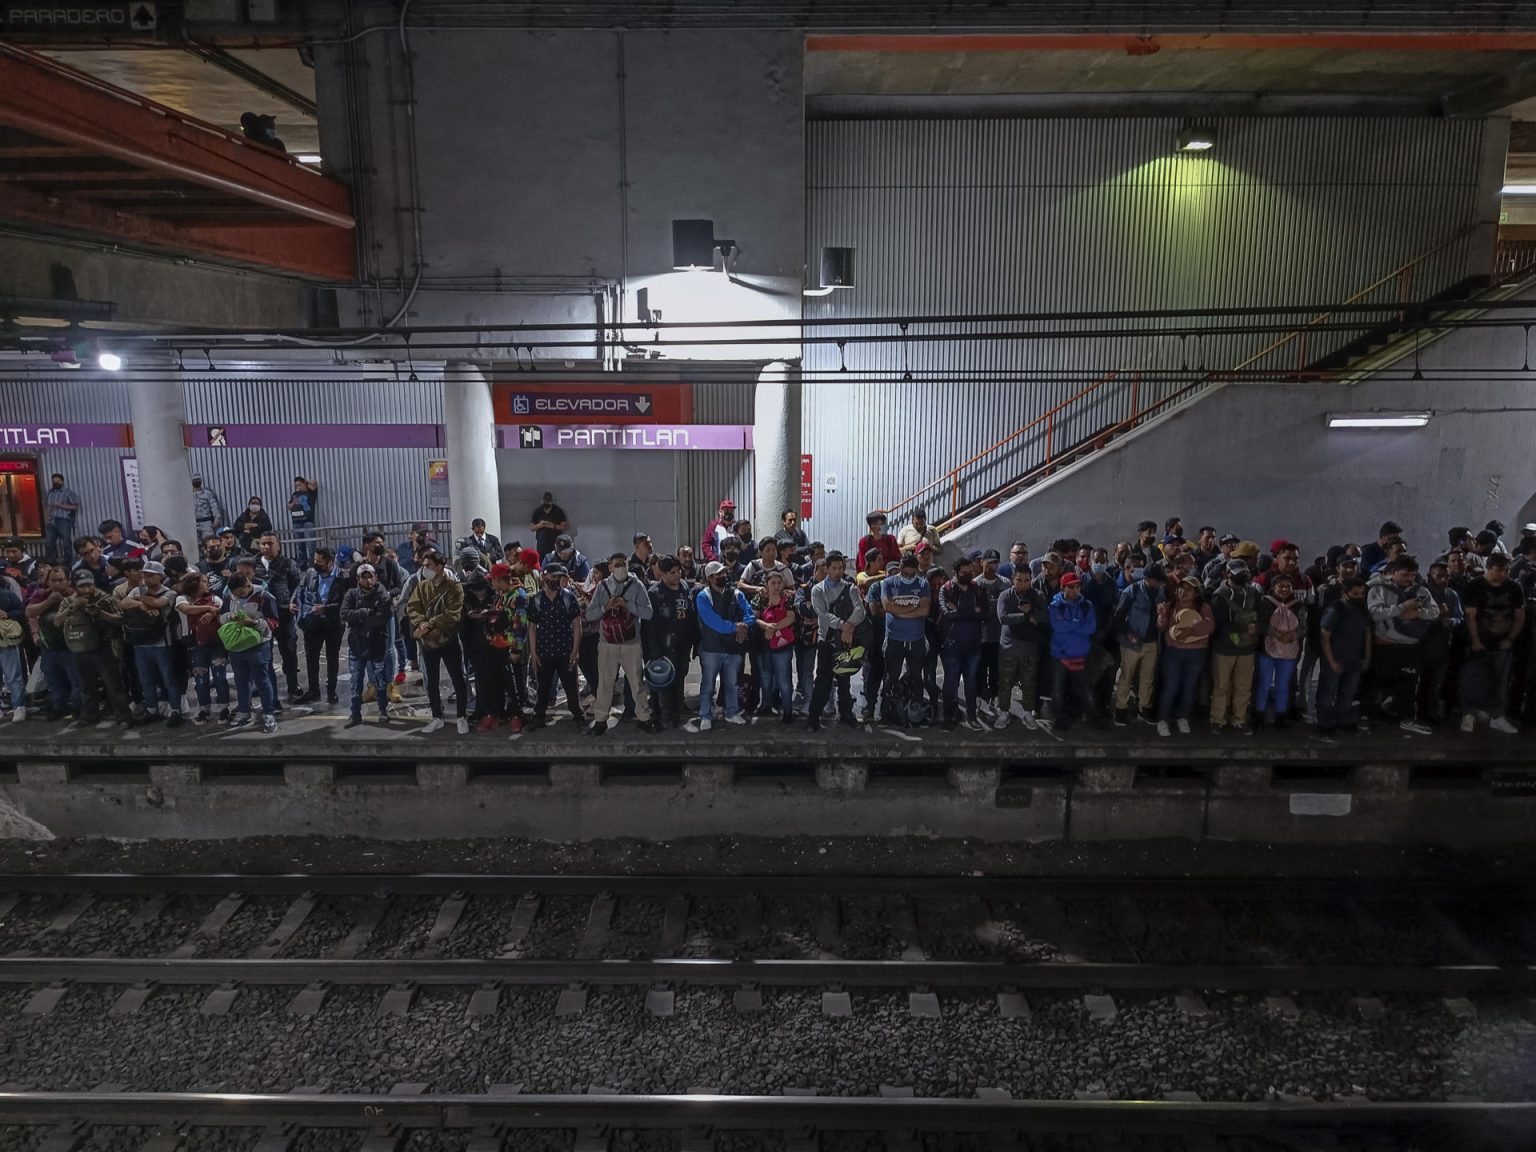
(644, 404)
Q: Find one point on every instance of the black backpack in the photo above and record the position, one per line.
(143, 627)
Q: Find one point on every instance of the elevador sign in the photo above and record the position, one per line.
(584, 402)
(654, 437)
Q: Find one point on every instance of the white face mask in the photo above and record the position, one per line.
(255, 507)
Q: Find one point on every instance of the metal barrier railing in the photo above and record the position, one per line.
(301, 542)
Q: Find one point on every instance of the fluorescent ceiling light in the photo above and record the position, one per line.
(307, 157)
(1379, 419)
(1196, 140)
(109, 361)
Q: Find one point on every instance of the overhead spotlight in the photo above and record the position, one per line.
(108, 361)
(694, 244)
(1196, 140)
(307, 157)
(836, 271)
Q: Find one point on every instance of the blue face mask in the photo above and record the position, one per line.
(1138, 573)
(1100, 569)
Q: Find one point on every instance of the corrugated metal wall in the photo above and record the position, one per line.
(357, 485)
(721, 395)
(954, 217)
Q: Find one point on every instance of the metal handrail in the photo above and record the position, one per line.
(1403, 274)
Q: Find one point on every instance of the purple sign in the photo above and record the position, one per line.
(655, 437)
(313, 436)
(66, 436)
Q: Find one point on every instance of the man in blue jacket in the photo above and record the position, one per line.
(1073, 623)
(725, 620)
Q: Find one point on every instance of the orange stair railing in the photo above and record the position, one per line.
(1046, 428)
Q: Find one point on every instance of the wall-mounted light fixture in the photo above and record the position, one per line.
(1378, 419)
(1196, 139)
(694, 244)
(836, 271)
(108, 361)
(1518, 190)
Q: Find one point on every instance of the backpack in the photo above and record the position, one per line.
(143, 627)
(82, 633)
(205, 629)
(618, 629)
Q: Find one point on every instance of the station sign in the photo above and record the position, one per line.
(312, 435)
(44, 436)
(141, 18)
(630, 437)
(580, 402)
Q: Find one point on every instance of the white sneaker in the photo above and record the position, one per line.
(433, 725)
(106, 725)
(705, 725)
(736, 719)
(1031, 721)
(1002, 721)
(1469, 723)
(1183, 726)
(463, 726)
(1499, 725)
(1163, 729)
(1416, 728)
(19, 715)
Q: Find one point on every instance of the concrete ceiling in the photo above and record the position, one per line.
(1423, 74)
(194, 85)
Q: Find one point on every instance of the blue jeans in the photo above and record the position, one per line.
(62, 680)
(777, 668)
(1181, 677)
(208, 664)
(10, 671)
(958, 666)
(375, 673)
(59, 539)
(805, 671)
(1274, 677)
(725, 666)
(252, 668)
(153, 663)
(1336, 695)
(391, 659)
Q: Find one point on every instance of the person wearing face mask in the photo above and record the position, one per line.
(672, 633)
(61, 504)
(1134, 629)
(1073, 624)
(317, 607)
(620, 604)
(367, 611)
(725, 621)
(839, 612)
(207, 509)
(715, 533)
(554, 643)
(963, 611)
(994, 586)
(1234, 644)
(281, 576)
(254, 523)
(1346, 638)
(1282, 624)
(436, 614)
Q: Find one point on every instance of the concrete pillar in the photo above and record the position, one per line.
(469, 430)
(165, 478)
(776, 443)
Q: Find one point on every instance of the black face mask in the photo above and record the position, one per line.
(1240, 578)
(718, 583)
(964, 579)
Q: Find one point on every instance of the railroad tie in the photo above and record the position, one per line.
(447, 919)
(362, 929)
(674, 926)
(599, 918)
(293, 919)
(523, 916)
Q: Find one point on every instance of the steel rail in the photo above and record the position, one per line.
(1437, 980)
(512, 885)
(739, 1112)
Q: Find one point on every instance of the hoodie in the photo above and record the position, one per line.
(1073, 623)
(1386, 601)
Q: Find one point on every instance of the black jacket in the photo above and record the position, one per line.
(673, 629)
(281, 577)
(366, 615)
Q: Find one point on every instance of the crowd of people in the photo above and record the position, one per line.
(1162, 627)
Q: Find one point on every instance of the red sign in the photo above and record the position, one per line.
(24, 467)
(807, 485)
(579, 402)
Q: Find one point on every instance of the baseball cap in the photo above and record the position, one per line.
(1070, 579)
(501, 571)
(714, 568)
(555, 570)
(1275, 546)
(369, 568)
(973, 555)
(731, 504)
(1236, 566)
(923, 546)
(226, 530)
(14, 542)
(991, 554)
(562, 542)
(154, 568)
(83, 577)
(639, 536)
(1228, 538)
(469, 553)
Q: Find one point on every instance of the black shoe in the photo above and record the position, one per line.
(813, 725)
(534, 724)
(788, 717)
(1282, 722)
(1121, 718)
(307, 697)
(353, 721)
(652, 726)
(848, 721)
(295, 696)
(627, 714)
(597, 729)
(330, 696)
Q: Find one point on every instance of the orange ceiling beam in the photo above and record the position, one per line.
(47, 99)
(1180, 42)
(308, 249)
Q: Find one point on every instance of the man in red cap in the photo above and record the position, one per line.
(720, 527)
